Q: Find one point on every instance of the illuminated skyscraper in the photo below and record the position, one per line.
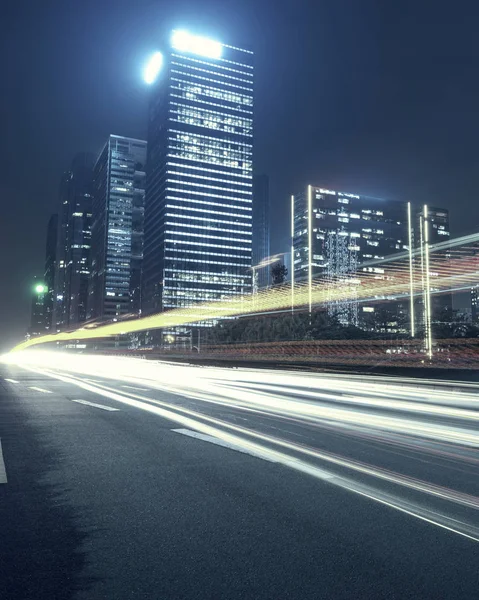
(117, 229)
(198, 206)
(334, 232)
(72, 270)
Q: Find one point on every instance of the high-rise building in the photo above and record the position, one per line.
(50, 266)
(198, 207)
(334, 232)
(72, 270)
(117, 229)
(261, 239)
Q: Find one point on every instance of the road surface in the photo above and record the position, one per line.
(122, 478)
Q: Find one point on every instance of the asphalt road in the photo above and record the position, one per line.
(210, 483)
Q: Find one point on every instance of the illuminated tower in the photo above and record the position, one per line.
(117, 229)
(198, 204)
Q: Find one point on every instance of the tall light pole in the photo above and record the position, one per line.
(411, 280)
(292, 254)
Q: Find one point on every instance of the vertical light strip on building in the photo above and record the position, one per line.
(411, 281)
(292, 253)
(428, 287)
(310, 249)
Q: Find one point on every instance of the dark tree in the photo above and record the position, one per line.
(278, 273)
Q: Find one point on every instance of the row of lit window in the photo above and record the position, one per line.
(207, 228)
(207, 211)
(189, 275)
(197, 193)
(235, 86)
(199, 139)
(208, 236)
(217, 149)
(193, 98)
(198, 122)
(206, 253)
(210, 262)
(213, 117)
(188, 168)
(190, 70)
(234, 190)
(206, 220)
(210, 147)
(189, 58)
(208, 159)
(211, 92)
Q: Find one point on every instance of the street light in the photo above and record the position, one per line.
(153, 67)
(40, 288)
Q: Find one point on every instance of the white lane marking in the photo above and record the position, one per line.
(102, 406)
(3, 472)
(282, 458)
(37, 389)
(130, 387)
(11, 380)
(218, 442)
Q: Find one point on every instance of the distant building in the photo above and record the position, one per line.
(261, 228)
(334, 232)
(37, 316)
(198, 207)
(117, 229)
(49, 275)
(72, 270)
(475, 304)
(436, 221)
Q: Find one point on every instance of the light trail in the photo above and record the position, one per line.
(452, 265)
(433, 433)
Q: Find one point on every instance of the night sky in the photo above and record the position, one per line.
(372, 96)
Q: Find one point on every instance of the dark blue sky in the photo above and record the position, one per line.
(367, 96)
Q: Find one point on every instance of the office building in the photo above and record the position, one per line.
(261, 226)
(117, 229)
(198, 206)
(334, 232)
(49, 275)
(72, 269)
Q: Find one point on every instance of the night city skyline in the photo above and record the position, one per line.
(377, 116)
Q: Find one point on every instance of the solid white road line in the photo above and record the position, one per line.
(102, 406)
(11, 380)
(3, 473)
(130, 387)
(37, 389)
(218, 442)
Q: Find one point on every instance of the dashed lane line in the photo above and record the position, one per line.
(102, 406)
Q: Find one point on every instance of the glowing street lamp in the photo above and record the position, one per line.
(184, 41)
(40, 288)
(153, 67)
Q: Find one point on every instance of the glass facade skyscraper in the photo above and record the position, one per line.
(198, 207)
(117, 230)
(73, 245)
